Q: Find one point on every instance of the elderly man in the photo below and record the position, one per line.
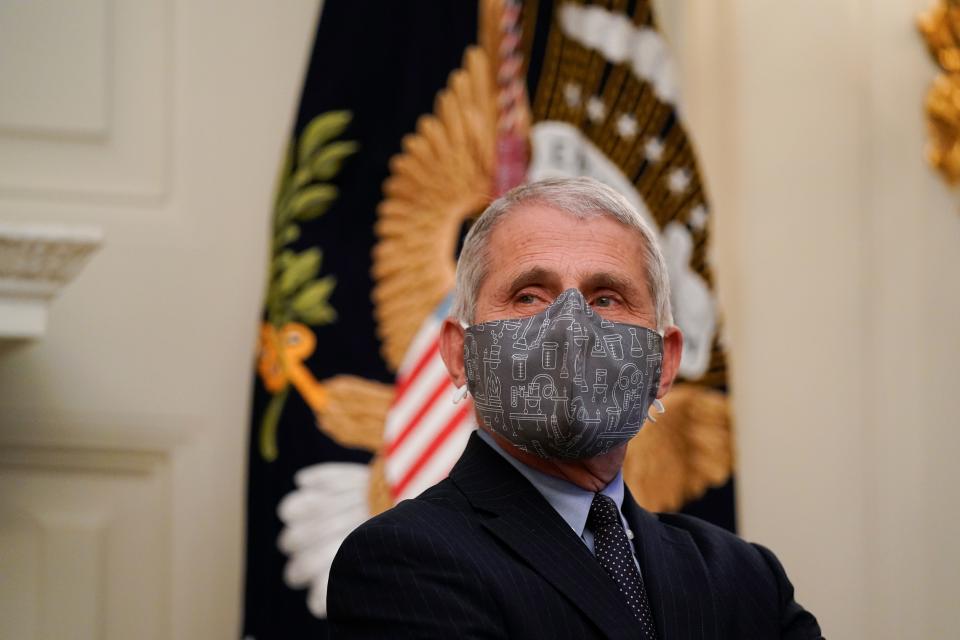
(563, 335)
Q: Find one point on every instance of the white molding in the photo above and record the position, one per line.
(148, 435)
(81, 503)
(36, 262)
(112, 142)
(64, 92)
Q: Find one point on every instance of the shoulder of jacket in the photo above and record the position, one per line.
(711, 539)
(441, 506)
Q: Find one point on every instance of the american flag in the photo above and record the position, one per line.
(425, 431)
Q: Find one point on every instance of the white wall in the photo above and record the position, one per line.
(123, 431)
(838, 257)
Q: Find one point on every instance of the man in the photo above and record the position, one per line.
(563, 335)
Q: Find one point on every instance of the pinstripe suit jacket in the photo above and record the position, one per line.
(483, 555)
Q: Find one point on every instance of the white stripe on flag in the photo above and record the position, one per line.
(442, 460)
(419, 390)
(424, 339)
(410, 450)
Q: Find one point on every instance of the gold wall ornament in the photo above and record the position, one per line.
(940, 26)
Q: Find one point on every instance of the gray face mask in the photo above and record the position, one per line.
(564, 383)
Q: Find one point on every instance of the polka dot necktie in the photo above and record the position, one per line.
(615, 555)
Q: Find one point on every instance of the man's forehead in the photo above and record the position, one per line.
(532, 225)
(530, 220)
(588, 279)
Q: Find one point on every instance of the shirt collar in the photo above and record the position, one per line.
(567, 499)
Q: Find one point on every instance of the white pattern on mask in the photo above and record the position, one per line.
(564, 383)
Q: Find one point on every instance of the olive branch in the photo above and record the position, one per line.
(295, 291)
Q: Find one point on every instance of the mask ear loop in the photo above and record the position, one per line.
(656, 401)
(460, 393)
(659, 407)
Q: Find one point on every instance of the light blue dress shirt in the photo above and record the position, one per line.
(567, 499)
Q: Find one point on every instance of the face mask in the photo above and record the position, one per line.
(564, 383)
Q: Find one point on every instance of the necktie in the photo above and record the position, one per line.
(615, 555)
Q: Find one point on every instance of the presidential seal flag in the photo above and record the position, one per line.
(414, 116)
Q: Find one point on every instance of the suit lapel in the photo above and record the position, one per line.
(674, 576)
(522, 519)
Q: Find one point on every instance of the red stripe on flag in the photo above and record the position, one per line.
(427, 453)
(415, 420)
(403, 385)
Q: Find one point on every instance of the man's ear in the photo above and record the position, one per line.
(451, 350)
(672, 350)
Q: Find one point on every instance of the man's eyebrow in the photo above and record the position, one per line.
(606, 280)
(535, 275)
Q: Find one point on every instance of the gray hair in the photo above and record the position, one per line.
(582, 198)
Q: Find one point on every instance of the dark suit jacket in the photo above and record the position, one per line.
(483, 555)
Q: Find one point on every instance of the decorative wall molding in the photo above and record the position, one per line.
(86, 453)
(147, 436)
(36, 262)
(88, 111)
(85, 518)
(56, 79)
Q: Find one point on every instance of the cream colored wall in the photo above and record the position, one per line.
(838, 258)
(123, 431)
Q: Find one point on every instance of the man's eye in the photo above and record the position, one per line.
(602, 301)
(526, 298)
